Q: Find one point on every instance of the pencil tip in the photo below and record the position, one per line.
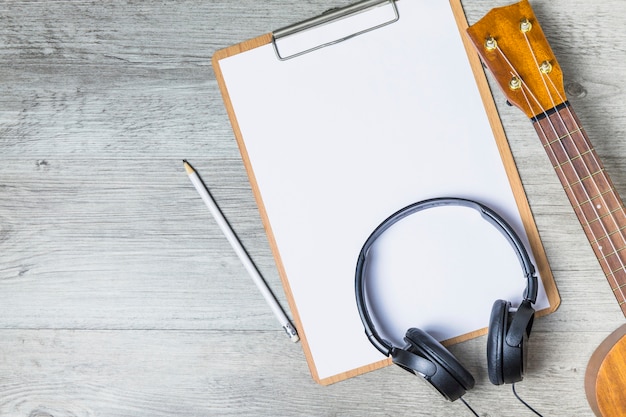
(188, 167)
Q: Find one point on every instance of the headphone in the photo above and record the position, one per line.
(423, 355)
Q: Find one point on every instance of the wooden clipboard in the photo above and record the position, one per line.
(251, 111)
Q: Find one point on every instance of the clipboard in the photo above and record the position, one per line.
(345, 118)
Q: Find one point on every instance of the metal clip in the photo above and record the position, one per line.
(328, 17)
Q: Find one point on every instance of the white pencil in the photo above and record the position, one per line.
(241, 252)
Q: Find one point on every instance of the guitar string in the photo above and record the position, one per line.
(616, 197)
(569, 134)
(543, 132)
(560, 166)
(514, 72)
(612, 214)
(589, 174)
(611, 273)
(560, 143)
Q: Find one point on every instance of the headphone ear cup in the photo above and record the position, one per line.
(506, 341)
(450, 378)
(495, 341)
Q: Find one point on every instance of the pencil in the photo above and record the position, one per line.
(241, 252)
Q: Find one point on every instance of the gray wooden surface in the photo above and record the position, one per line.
(119, 295)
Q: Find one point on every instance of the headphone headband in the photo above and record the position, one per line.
(530, 293)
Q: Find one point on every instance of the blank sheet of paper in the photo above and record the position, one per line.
(339, 139)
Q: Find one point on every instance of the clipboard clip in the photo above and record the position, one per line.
(328, 17)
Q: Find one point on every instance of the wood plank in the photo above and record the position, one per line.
(127, 244)
(104, 245)
(131, 373)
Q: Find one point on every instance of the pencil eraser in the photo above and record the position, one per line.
(295, 338)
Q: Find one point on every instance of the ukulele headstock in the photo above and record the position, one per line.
(514, 48)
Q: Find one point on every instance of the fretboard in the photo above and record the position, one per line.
(589, 188)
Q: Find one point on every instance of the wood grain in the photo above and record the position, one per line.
(119, 296)
(519, 52)
(605, 376)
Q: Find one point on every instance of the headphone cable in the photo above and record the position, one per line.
(468, 406)
(524, 402)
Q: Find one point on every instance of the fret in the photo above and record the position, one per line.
(590, 200)
(536, 87)
(611, 264)
(604, 213)
(607, 230)
(621, 268)
(571, 160)
(610, 213)
(589, 188)
(607, 244)
(617, 281)
(583, 186)
(600, 171)
(571, 151)
(616, 252)
(598, 240)
(566, 135)
(581, 190)
(606, 200)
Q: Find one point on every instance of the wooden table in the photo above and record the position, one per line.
(119, 295)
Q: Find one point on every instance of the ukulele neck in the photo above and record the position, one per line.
(589, 188)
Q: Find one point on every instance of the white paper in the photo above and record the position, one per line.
(339, 139)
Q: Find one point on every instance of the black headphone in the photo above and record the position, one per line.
(423, 355)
